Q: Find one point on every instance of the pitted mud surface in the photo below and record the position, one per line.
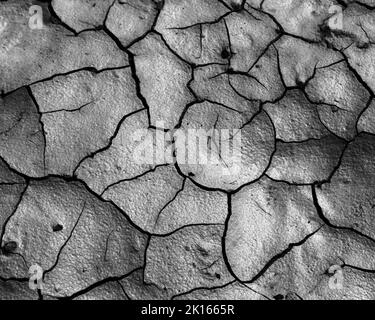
(298, 209)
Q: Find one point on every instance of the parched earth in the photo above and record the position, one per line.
(298, 213)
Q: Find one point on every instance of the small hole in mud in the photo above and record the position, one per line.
(57, 227)
(10, 247)
(230, 70)
(217, 275)
(190, 174)
(225, 54)
(279, 297)
(365, 45)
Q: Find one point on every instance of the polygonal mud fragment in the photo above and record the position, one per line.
(295, 118)
(82, 14)
(117, 162)
(21, 134)
(312, 269)
(81, 112)
(307, 161)
(233, 291)
(299, 58)
(51, 50)
(237, 152)
(163, 80)
(187, 259)
(263, 82)
(15, 290)
(102, 245)
(266, 218)
(137, 289)
(337, 85)
(366, 121)
(188, 43)
(129, 20)
(342, 97)
(184, 13)
(356, 39)
(250, 34)
(300, 17)
(356, 28)
(348, 199)
(214, 84)
(108, 291)
(43, 222)
(144, 197)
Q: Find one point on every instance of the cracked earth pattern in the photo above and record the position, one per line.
(101, 226)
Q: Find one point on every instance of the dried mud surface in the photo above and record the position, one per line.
(101, 226)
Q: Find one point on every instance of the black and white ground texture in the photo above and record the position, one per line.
(296, 220)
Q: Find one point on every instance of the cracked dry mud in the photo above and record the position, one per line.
(74, 201)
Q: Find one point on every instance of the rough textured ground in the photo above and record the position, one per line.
(101, 226)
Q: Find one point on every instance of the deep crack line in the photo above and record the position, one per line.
(41, 124)
(170, 201)
(281, 255)
(98, 284)
(65, 243)
(327, 222)
(138, 88)
(114, 135)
